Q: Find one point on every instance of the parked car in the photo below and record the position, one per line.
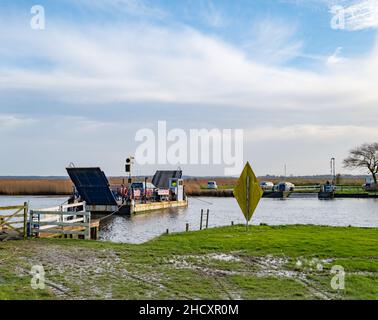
(284, 186)
(266, 185)
(212, 185)
(141, 185)
(370, 187)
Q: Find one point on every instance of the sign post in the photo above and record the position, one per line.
(248, 192)
(247, 197)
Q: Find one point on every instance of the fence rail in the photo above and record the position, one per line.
(307, 188)
(63, 220)
(11, 221)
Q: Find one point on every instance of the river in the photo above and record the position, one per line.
(305, 209)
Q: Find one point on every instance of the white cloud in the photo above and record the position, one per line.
(309, 131)
(123, 63)
(133, 7)
(213, 16)
(11, 121)
(272, 41)
(304, 148)
(336, 57)
(150, 64)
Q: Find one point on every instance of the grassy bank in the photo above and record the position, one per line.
(223, 263)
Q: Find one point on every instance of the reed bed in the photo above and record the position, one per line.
(14, 187)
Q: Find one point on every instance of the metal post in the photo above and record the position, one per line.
(30, 223)
(201, 219)
(248, 183)
(89, 224)
(61, 218)
(145, 190)
(207, 218)
(187, 227)
(39, 223)
(333, 170)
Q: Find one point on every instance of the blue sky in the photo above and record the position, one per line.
(101, 70)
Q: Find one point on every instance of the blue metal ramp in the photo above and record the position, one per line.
(92, 186)
(161, 178)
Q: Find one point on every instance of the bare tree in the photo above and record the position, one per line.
(365, 156)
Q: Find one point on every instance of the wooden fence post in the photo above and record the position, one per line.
(201, 219)
(207, 218)
(26, 209)
(187, 227)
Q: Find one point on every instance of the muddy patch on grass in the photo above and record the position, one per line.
(223, 257)
(270, 266)
(71, 272)
(258, 266)
(205, 263)
(85, 273)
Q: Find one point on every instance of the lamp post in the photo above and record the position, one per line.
(128, 166)
(333, 170)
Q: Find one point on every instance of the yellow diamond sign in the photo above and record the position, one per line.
(248, 192)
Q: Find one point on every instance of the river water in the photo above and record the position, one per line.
(304, 209)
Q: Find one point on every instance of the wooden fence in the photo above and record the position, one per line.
(63, 221)
(16, 221)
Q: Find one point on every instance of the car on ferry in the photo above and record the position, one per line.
(138, 189)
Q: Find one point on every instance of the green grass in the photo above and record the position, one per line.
(222, 263)
(261, 288)
(220, 187)
(350, 190)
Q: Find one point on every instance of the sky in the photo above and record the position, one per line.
(300, 77)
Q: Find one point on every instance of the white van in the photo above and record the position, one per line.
(284, 186)
(266, 185)
(212, 185)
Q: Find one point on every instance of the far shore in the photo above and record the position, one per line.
(193, 186)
